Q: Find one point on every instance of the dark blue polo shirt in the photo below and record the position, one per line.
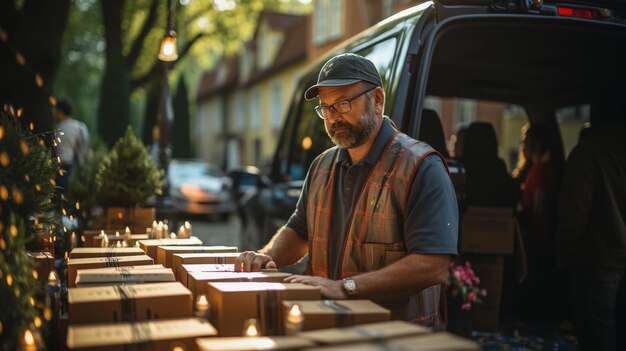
(431, 217)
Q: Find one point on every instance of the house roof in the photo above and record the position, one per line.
(293, 49)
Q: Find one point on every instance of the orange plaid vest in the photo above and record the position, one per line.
(374, 237)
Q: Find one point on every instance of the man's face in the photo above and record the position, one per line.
(351, 129)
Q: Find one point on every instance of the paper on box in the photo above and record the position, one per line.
(178, 259)
(164, 253)
(162, 335)
(89, 252)
(188, 268)
(134, 302)
(73, 265)
(123, 275)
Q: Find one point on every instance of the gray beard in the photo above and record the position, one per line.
(357, 135)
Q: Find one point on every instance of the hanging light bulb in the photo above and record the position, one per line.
(168, 47)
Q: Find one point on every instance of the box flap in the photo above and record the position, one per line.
(252, 343)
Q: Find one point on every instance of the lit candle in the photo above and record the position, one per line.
(187, 229)
(117, 233)
(53, 282)
(119, 244)
(294, 320)
(105, 241)
(173, 235)
(250, 328)
(181, 232)
(202, 307)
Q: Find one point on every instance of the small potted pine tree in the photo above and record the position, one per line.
(125, 181)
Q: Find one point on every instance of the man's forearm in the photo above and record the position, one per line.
(286, 247)
(403, 278)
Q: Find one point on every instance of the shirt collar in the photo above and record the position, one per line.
(386, 132)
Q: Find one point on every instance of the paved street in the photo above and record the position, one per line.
(213, 232)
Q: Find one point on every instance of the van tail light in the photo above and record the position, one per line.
(579, 13)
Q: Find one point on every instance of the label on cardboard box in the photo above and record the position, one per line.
(123, 275)
(178, 259)
(233, 303)
(151, 333)
(135, 302)
(73, 265)
(89, 252)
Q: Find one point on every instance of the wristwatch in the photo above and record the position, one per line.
(349, 286)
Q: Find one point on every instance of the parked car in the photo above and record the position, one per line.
(197, 187)
(533, 60)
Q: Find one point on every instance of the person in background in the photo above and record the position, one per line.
(74, 145)
(591, 236)
(524, 163)
(377, 215)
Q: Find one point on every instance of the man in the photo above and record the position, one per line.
(591, 238)
(74, 144)
(378, 214)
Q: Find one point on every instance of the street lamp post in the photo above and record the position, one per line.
(167, 54)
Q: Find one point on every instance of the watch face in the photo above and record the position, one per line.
(349, 285)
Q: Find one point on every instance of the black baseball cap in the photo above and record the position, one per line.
(342, 70)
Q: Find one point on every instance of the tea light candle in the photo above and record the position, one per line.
(294, 320)
(202, 307)
(250, 328)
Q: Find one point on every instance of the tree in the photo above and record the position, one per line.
(30, 46)
(181, 145)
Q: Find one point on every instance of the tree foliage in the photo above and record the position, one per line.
(127, 176)
(27, 173)
(30, 53)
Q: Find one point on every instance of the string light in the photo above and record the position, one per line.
(19, 112)
(35, 274)
(4, 159)
(13, 230)
(37, 322)
(9, 280)
(1, 132)
(19, 58)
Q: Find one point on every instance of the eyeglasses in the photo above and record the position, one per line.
(341, 107)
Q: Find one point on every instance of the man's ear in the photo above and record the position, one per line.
(379, 100)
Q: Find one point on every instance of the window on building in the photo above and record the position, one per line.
(276, 107)
(328, 20)
(255, 108)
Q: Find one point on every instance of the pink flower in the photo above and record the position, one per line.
(483, 292)
(471, 296)
(466, 306)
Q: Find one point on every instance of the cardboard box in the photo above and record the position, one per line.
(365, 332)
(285, 343)
(488, 230)
(233, 303)
(442, 341)
(164, 253)
(135, 218)
(188, 268)
(136, 302)
(150, 246)
(179, 259)
(198, 282)
(114, 239)
(73, 265)
(89, 235)
(338, 313)
(162, 335)
(90, 252)
(490, 270)
(44, 263)
(124, 275)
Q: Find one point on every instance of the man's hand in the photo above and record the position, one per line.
(331, 289)
(250, 261)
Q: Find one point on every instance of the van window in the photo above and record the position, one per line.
(572, 120)
(508, 121)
